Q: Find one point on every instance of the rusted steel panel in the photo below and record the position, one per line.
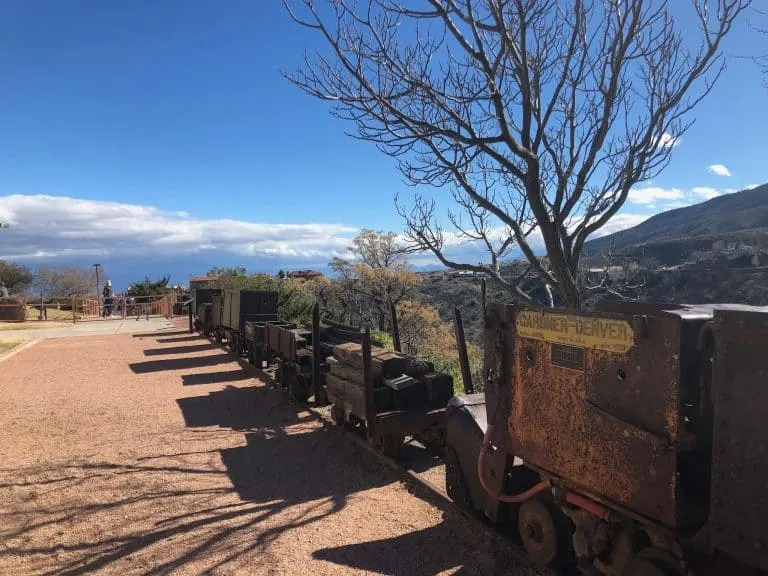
(739, 494)
(595, 402)
(498, 375)
(216, 309)
(240, 306)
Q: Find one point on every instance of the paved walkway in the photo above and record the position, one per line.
(91, 328)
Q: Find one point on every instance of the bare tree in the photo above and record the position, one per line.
(762, 28)
(377, 277)
(539, 115)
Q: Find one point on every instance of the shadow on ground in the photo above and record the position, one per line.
(428, 551)
(179, 339)
(206, 500)
(162, 512)
(215, 377)
(191, 349)
(239, 408)
(159, 333)
(180, 363)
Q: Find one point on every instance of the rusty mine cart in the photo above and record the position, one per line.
(388, 395)
(629, 441)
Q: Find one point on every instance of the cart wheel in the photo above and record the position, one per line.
(653, 562)
(337, 414)
(543, 532)
(390, 445)
(455, 485)
(433, 439)
(298, 388)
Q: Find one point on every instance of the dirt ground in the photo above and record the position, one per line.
(158, 454)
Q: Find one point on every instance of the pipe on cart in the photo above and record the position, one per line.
(580, 501)
(506, 498)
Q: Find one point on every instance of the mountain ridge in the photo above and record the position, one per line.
(746, 210)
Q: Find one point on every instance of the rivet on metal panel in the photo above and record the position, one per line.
(530, 357)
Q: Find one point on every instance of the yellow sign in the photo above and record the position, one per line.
(586, 331)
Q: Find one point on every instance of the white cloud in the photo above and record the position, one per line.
(668, 141)
(650, 194)
(751, 186)
(55, 226)
(621, 221)
(705, 192)
(719, 169)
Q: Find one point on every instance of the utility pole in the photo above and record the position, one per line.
(98, 288)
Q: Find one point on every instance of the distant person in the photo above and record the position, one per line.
(121, 304)
(108, 296)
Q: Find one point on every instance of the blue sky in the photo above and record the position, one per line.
(180, 106)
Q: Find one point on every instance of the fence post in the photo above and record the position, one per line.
(461, 345)
(189, 309)
(368, 398)
(395, 328)
(74, 312)
(316, 377)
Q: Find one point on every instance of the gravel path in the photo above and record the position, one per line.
(159, 455)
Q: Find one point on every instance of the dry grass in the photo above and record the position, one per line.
(53, 314)
(32, 325)
(7, 346)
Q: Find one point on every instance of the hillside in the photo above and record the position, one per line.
(715, 218)
(690, 234)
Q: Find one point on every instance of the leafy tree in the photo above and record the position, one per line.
(539, 115)
(281, 274)
(149, 287)
(328, 295)
(295, 302)
(229, 271)
(377, 276)
(16, 277)
(424, 334)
